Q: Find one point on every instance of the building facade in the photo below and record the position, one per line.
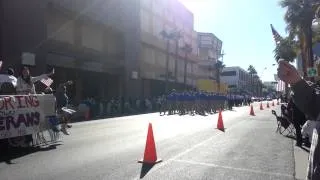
(209, 52)
(108, 48)
(236, 78)
(168, 16)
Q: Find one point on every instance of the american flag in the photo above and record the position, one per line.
(276, 36)
(47, 81)
(281, 86)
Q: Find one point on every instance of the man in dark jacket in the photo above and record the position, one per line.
(307, 99)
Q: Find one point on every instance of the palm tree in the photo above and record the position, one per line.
(252, 71)
(218, 69)
(299, 17)
(286, 49)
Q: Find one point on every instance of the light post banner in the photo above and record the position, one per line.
(24, 115)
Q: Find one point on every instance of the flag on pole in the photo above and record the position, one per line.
(281, 86)
(47, 81)
(276, 36)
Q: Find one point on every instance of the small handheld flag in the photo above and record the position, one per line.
(47, 81)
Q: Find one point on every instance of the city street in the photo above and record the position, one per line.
(190, 146)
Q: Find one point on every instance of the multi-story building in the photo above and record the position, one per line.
(236, 78)
(91, 42)
(168, 16)
(109, 48)
(270, 85)
(209, 52)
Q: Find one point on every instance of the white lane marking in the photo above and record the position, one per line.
(233, 168)
(165, 162)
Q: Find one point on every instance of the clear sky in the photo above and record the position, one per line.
(244, 28)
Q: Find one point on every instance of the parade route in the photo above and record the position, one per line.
(190, 146)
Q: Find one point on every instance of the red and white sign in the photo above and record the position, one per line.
(23, 115)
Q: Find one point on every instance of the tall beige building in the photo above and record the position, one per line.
(166, 15)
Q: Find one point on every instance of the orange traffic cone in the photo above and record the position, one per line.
(251, 111)
(220, 125)
(268, 105)
(261, 107)
(272, 103)
(150, 153)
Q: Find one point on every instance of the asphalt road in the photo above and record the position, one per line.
(191, 148)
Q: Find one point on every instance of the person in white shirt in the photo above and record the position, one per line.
(25, 86)
(25, 82)
(8, 78)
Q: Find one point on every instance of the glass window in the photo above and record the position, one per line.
(171, 64)
(189, 68)
(160, 58)
(181, 65)
(229, 73)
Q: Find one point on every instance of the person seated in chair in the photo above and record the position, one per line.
(297, 118)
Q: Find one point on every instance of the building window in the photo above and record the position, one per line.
(160, 58)
(181, 65)
(171, 64)
(229, 73)
(60, 28)
(92, 37)
(189, 68)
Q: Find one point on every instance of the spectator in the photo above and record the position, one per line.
(307, 99)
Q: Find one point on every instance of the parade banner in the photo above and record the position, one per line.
(23, 115)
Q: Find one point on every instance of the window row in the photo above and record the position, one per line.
(152, 56)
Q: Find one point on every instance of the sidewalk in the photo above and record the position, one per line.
(301, 161)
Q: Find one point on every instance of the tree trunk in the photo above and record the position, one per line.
(303, 54)
(185, 72)
(167, 68)
(218, 79)
(176, 62)
(309, 49)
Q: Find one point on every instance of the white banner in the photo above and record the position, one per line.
(23, 115)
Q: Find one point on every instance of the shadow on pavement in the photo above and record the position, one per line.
(145, 169)
(9, 154)
(305, 149)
